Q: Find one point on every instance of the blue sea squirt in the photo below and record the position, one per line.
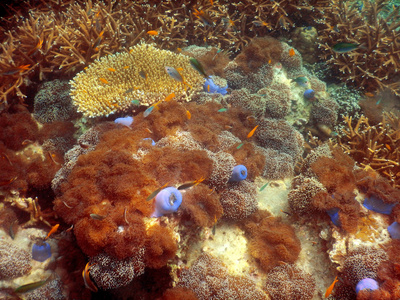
(167, 201)
(41, 251)
(239, 173)
(378, 205)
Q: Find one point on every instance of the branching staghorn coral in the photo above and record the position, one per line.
(374, 64)
(71, 35)
(375, 147)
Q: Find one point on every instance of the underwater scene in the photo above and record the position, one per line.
(200, 149)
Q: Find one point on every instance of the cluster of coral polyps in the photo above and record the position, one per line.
(352, 208)
(111, 83)
(105, 194)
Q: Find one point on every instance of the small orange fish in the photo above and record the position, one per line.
(103, 80)
(388, 147)
(269, 61)
(204, 17)
(6, 182)
(188, 114)
(153, 194)
(292, 52)
(53, 229)
(16, 70)
(208, 88)
(169, 97)
(252, 132)
(126, 67)
(190, 184)
(330, 288)
(368, 94)
(111, 69)
(259, 23)
(152, 32)
(86, 279)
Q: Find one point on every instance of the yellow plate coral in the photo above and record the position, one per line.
(111, 83)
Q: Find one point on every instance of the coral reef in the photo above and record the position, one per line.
(110, 84)
(53, 103)
(374, 146)
(289, 282)
(374, 64)
(208, 279)
(15, 262)
(270, 240)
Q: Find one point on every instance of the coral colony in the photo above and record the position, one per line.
(202, 150)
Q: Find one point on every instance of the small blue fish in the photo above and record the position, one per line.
(175, 75)
(148, 111)
(135, 102)
(264, 186)
(301, 81)
(240, 146)
(222, 109)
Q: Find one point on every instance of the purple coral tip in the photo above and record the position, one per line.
(41, 251)
(309, 94)
(377, 205)
(367, 284)
(127, 121)
(239, 173)
(394, 230)
(167, 201)
(210, 87)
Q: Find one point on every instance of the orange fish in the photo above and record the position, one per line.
(292, 52)
(169, 97)
(111, 69)
(86, 279)
(152, 32)
(259, 23)
(6, 182)
(53, 229)
(190, 184)
(103, 80)
(252, 132)
(126, 67)
(19, 69)
(388, 147)
(188, 114)
(368, 94)
(330, 288)
(208, 88)
(204, 17)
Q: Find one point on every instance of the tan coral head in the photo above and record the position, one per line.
(111, 83)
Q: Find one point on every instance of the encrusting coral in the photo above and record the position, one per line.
(208, 278)
(289, 282)
(111, 83)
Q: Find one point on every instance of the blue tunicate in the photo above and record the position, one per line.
(239, 173)
(394, 230)
(367, 284)
(334, 214)
(309, 94)
(210, 87)
(167, 201)
(377, 205)
(41, 251)
(152, 141)
(127, 121)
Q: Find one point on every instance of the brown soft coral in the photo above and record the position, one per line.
(202, 205)
(160, 246)
(270, 240)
